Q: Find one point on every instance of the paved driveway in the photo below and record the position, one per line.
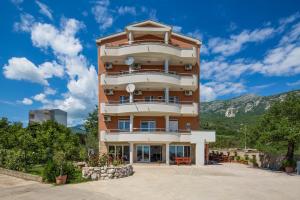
(229, 181)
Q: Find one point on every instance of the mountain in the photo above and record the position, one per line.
(78, 129)
(229, 117)
(245, 109)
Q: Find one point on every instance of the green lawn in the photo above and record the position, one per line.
(36, 170)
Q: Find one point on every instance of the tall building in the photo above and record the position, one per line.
(149, 95)
(42, 115)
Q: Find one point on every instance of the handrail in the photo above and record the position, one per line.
(151, 130)
(147, 71)
(127, 101)
(137, 42)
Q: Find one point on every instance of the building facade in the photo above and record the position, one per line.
(149, 95)
(42, 115)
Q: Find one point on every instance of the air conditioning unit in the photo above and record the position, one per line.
(188, 67)
(109, 92)
(188, 93)
(107, 118)
(138, 92)
(108, 65)
(136, 66)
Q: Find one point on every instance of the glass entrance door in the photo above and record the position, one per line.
(143, 153)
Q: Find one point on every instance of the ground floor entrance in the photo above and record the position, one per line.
(148, 153)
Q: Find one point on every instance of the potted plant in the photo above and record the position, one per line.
(289, 165)
(59, 158)
(253, 162)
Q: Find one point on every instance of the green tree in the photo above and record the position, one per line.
(279, 128)
(91, 127)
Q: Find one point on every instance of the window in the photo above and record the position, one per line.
(148, 126)
(173, 99)
(123, 124)
(119, 152)
(124, 99)
(179, 151)
(173, 125)
(188, 126)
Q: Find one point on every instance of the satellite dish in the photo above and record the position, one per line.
(130, 88)
(129, 61)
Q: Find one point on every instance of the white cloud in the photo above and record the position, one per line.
(25, 24)
(24, 69)
(235, 43)
(177, 29)
(102, 14)
(211, 90)
(27, 101)
(221, 70)
(50, 91)
(44, 10)
(40, 97)
(127, 10)
(60, 41)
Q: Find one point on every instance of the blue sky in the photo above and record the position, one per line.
(48, 54)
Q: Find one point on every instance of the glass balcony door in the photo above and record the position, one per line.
(148, 126)
(143, 153)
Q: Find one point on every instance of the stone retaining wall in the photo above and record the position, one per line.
(22, 175)
(111, 172)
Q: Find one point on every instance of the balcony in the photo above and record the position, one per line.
(157, 136)
(154, 79)
(156, 107)
(148, 51)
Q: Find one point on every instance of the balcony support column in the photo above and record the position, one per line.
(131, 97)
(167, 95)
(166, 37)
(166, 66)
(131, 123)
(167, 118)
(131, 152)
(167, 153)
(130, 38)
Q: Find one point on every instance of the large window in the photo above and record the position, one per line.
(123, 124)
(119, 152)
(179, 151)
(148, 126)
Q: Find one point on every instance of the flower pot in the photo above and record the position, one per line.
(289, 169)
(61, 180)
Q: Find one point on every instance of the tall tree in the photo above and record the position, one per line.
(279, 129)
(91, 127)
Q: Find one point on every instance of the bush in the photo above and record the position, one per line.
(83, 156)
(103, 160)
(93, 160)
(14, 160)
(289, 163)
(117, 162)
(50, 172)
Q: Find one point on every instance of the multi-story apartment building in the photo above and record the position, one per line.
(42, 115)
(149, 95)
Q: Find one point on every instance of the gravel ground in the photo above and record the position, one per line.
(227, 181)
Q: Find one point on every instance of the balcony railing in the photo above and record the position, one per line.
(141, 42)
(151, 101)
(149, 130)
(148, 71)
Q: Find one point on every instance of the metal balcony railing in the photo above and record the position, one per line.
(149, 130)
(150, 101)
(148, 71)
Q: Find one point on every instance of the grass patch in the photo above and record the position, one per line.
(36, 170)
